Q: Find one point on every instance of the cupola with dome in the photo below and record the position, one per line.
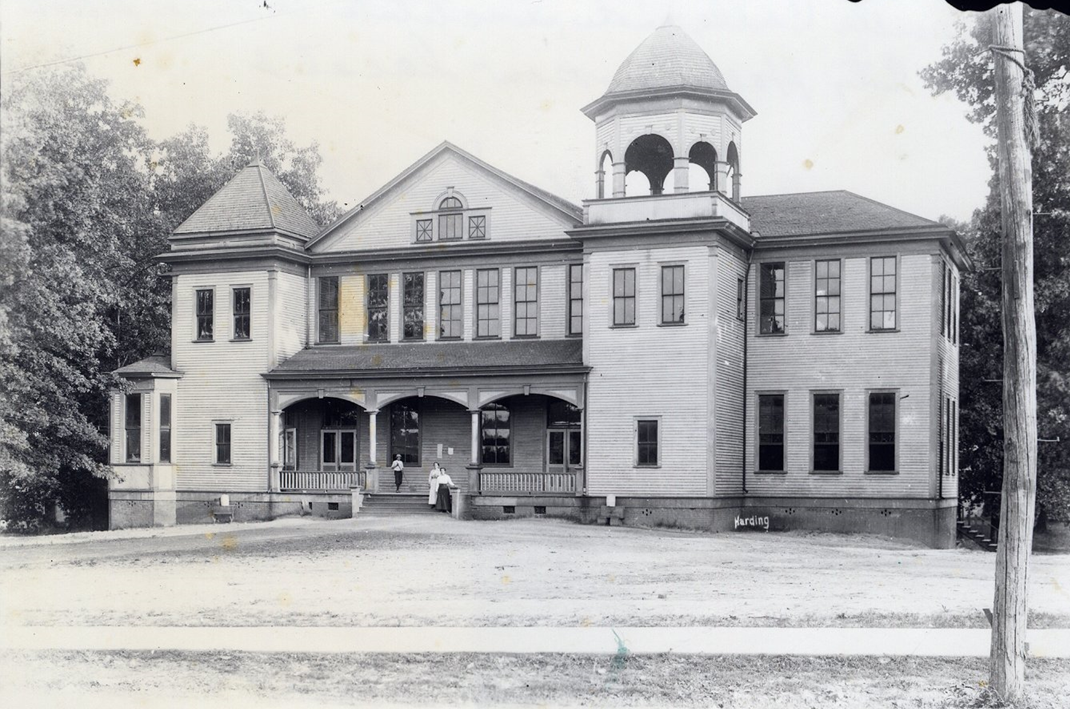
(669, 115)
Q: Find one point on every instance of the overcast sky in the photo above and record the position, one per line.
(378, 84)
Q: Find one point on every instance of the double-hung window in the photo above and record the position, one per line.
(672, 295)
(222, 444)
(771, 288)
(133, 428)
(242, 312)
(165, 428)
(771, 432)
(412, 317)
(378, 307)
(575, 299)
(526, 302)
(449, 305)
(827, 296)
(882, 293)
(487, 303)
(881, 425)
(646, 442)
(327, 305)
(741, 302)
(624, 296)
(496, 432)
(205, 302)
(826, 417)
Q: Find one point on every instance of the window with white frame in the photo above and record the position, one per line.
(623, 297)
(133, 428)
(242, 307)
(222, 444)
(575, 299)
(378, 307)
(647, 442)
(165, 428)
(487, 303)
(883, 279)
(881, 431)
(450, 313)
(672, 295)
(826, 427)
(526, 301)
(827, 295)
(205, 309)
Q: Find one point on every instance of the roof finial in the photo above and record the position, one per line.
(668, 21)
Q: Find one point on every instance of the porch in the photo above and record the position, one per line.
(518, 431)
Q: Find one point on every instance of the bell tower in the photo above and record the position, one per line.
(669, 116)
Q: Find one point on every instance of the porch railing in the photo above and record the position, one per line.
(321, 480)
(527, 483)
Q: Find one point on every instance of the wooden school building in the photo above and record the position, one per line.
(671, 352)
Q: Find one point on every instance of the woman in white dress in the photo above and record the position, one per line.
(432, 484)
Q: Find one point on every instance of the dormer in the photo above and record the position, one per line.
(668, 123)
(450, 217)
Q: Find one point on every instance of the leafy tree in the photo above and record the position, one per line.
(72, 209)
(87, 202)
(966, 68)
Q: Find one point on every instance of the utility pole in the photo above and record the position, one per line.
(1010, 609)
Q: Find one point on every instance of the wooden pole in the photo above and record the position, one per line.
(1007, 662)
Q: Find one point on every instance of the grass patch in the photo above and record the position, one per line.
(553, 680)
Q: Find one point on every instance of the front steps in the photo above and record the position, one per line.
(980, 534)
(388, 504)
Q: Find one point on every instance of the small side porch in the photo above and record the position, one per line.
(516, 433)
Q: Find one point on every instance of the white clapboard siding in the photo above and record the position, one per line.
(352, 316)
(505, 298)
(853, 362)
(726, 349)
(468, 298)
(552, 299)
(116, 451)
(390, 223)
(221, 382)
(431, 306)
(648, 371)
(292, 305)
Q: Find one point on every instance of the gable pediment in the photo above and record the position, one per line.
(449, 197)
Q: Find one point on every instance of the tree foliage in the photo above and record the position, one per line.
(87, 201)
(966, 68)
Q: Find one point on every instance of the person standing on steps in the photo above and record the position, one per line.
(398, 468)
(432, 484)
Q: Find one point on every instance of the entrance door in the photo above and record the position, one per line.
(338, 450)
(563, 449)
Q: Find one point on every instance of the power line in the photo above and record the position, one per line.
(140, 44)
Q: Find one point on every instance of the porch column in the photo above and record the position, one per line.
(373, 475)
(473, 465)
(274, 426)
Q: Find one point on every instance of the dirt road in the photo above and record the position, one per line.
(437, 571)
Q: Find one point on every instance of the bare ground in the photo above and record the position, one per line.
(437, 571)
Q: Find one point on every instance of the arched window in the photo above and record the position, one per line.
(450, 224)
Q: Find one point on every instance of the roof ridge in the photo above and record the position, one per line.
(891, 206)
(792, 194)
(263, 190)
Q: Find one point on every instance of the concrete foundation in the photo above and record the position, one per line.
(929, 522)
(164, 509)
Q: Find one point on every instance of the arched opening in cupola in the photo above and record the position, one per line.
(651, 155)
(702, 170)
(733, 171)
(605, 172)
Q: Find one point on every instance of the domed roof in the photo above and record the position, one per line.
(667, 58)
